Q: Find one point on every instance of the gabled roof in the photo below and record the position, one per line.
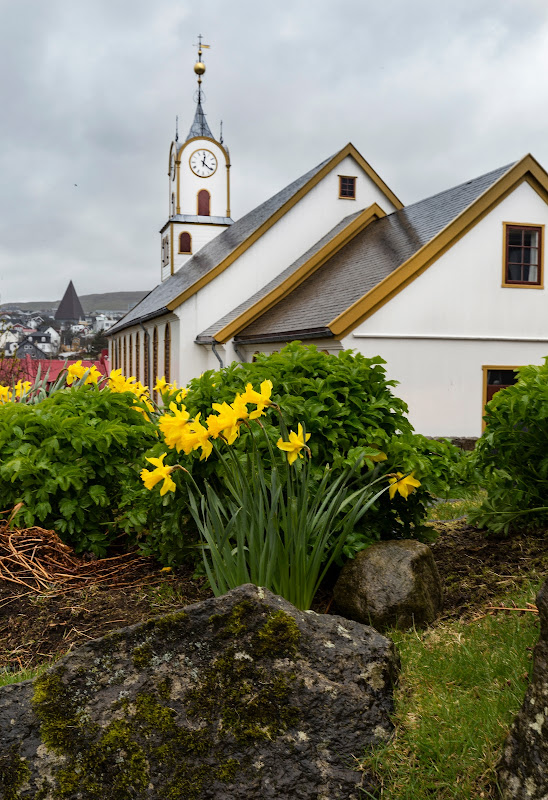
(290, 278)
(229, 245)
(334, 299)
(70, 306)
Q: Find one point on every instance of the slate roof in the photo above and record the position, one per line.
(361, 264)
(70, 307)
(211, 255)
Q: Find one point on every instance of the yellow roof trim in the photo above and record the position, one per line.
(285, 288)
(368, 169)
(348, 150)
(528, 169)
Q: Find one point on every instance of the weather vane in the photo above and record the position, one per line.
(199, 66)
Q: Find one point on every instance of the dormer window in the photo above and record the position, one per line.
(347, 187)
(185, 243)
(523, 256)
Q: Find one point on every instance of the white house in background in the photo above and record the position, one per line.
(102, 323)
(449, 290)
(8, 342)
(55, 337)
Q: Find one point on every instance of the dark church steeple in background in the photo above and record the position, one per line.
(70, 308)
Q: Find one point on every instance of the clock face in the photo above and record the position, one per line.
(203, 163)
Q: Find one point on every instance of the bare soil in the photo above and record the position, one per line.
(41, 619)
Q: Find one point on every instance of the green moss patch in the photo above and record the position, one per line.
(177, 745)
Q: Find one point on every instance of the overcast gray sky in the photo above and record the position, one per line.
(432, 93)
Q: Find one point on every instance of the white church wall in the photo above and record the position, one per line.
(200, 233)
(441, 380)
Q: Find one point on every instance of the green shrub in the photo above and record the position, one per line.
(349, 409)
(70, 459)
(512, 454)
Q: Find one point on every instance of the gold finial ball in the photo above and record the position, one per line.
(199, 68)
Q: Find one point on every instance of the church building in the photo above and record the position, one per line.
(448, 290)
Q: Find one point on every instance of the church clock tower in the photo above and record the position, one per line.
(199, 187)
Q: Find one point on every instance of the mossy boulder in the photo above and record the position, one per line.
(241, 696)
(392, 584)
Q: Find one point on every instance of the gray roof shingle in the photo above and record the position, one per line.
(211, 255)
(362, 263)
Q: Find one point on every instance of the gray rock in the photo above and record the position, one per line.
(391, 584)
(523, 769)
(242, 696)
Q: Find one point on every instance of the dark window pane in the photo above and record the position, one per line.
(347, 187)
(514, 236)
(514, 255)
(514, 272)
(501, 377)
(530, 238)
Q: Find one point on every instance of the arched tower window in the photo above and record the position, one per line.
(203, 203)
(167, 353)
(185, 243)
(137, 358)
(130, 353)
(155, 361)
(172, 204)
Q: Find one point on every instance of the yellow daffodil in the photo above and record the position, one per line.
(161, 385)
(229, 419)
(77, 371)
(295, 444)
(182, 393)
(162, 472)
(174, 425)
(74, 372)
(5, 394)
(21, 387)
(261, 399)
(195, 436)
(404, 484)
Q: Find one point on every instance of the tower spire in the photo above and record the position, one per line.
(199, 127)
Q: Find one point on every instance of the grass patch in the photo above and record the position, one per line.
(461, 685)
(8, 677)
(456, 509)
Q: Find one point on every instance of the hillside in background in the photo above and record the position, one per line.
(110, 301)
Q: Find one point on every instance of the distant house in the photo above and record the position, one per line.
(8, 342)
(29, 349)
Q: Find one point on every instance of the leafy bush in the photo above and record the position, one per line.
(71, 459)
(512, 454)
(350, 411)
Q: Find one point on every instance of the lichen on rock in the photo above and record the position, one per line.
(235, 697)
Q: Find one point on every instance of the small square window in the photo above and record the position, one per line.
(523, 255)
(347, 187)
